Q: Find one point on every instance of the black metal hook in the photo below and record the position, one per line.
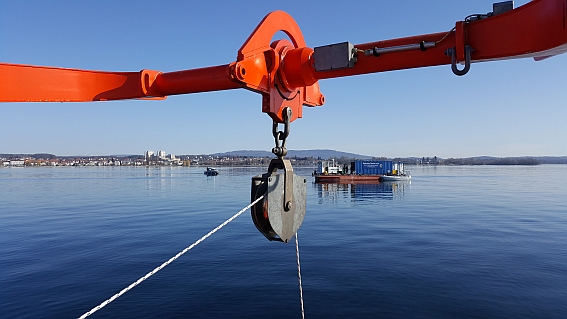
(467, 67)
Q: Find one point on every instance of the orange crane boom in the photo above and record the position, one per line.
(286, 73)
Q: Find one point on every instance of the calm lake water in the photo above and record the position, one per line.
(456, 242)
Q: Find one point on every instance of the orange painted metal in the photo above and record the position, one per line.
(26, 83)
(460, 40)
(282, 71)
(281, 94)
(259, 68)
(536, 29)
(297, 67)
(533, 30)
(259, 40)
(399, 60)
(215, 78)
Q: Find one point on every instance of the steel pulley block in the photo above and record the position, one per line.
(280, 213)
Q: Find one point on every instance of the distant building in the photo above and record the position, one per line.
(161, 154)
(148, 154)
(16, 163)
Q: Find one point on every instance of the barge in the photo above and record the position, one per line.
(361, 172)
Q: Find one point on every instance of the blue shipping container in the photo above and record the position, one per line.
(373, 167)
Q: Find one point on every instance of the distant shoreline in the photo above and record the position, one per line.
(259, 165)
(254, 158)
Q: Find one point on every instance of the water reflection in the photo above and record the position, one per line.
(332, 193)
(165, 177)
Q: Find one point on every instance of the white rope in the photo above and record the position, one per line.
(299, 276)
(172, 259)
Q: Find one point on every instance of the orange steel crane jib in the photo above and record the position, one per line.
(286, 73)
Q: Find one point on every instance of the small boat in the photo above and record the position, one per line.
(396, 174)
(395, 178)
(211, 172)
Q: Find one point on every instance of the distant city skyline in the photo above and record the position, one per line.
(252, 158)
(504, 108)
(292, 154)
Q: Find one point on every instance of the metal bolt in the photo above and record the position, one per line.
(288, 206)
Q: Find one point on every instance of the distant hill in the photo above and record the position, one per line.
(248, 153)
(552, 159)
(323, 154)
(521, 160)
(35, 156)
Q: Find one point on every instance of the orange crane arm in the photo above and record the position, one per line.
(537, 29)
(286, 73)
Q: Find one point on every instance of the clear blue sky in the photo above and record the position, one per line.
(508, 108)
